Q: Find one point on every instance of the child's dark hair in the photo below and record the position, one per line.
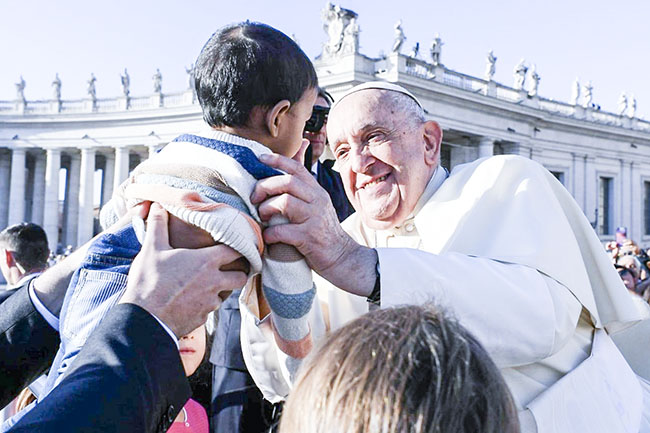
(246, 65)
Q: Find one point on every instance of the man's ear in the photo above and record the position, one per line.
(275, 116)
(432, 140)
(8, 258)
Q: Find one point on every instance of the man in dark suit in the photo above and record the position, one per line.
(327, 177)
(23, 255)
(129, 375)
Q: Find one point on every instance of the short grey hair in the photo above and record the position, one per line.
(404, 104)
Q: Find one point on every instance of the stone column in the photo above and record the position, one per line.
(39, 189)
(108, 178)
(460, 153)
(485, 147)
(72, 199)
(578, 180)
(51, 207)
(121, 166)
(17, 187)
(591, 189)
(5, 180)
(636, 204)
(86, 190)
(624, 199)
(152, 149)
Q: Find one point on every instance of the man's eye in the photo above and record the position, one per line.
(341, 153)
(375, 136)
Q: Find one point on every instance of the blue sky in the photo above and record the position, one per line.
(602, 41)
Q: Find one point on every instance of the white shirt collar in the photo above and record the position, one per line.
(439, 176)
(23, 280)
(397, 236)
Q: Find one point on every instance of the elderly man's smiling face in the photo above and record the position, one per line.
(384, 154)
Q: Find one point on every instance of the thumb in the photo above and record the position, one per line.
(157, 228)
(300, 154)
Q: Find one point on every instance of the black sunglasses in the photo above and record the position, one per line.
(318, 119)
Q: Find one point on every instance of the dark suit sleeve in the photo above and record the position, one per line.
(128, 377)
(27, 344)
(331, 181)
(4, 294)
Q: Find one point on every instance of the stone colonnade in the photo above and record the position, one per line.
(30, 184)
(457, 150)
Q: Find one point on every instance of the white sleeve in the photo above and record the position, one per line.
(271, 369)
(518, 314)
(53, 321)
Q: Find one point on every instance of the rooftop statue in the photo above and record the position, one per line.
(436, 49)
(126, 83)
(535, 78)
(190, 76)
(92, 91)
(57, 87)
(631, 112)
(587, 95)
(341, 28)
(622, 104)
(520, 74)
(490, 67)
(157, 81)
(20, 90)
(351, 37)
(399, 37)
(575, 92)
(415, 50)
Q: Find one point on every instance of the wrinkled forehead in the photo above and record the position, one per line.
(362, 109)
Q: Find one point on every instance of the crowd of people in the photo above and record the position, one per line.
(631, 262)
(438, 304)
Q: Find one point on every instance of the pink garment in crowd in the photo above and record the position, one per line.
(195, 419)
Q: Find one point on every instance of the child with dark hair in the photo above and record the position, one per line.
(256, 89)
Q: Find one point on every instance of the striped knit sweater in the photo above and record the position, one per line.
(207, 180)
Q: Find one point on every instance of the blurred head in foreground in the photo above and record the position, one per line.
(406, 370)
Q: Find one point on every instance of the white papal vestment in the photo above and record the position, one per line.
(503, 247)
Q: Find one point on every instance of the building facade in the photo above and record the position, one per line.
(87, 147)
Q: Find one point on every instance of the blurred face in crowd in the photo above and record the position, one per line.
(384, 156)
(192, 349)
(628, 280)
(318, 140)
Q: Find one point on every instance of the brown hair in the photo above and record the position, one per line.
(407, 370)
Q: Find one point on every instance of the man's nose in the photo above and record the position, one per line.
(361, 159)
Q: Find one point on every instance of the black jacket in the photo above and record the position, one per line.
(127, 377)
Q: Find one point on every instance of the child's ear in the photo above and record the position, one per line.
(275, 116)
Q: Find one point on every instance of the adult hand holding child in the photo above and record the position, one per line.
(179, 286)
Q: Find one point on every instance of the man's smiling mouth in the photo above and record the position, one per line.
(374, 181)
